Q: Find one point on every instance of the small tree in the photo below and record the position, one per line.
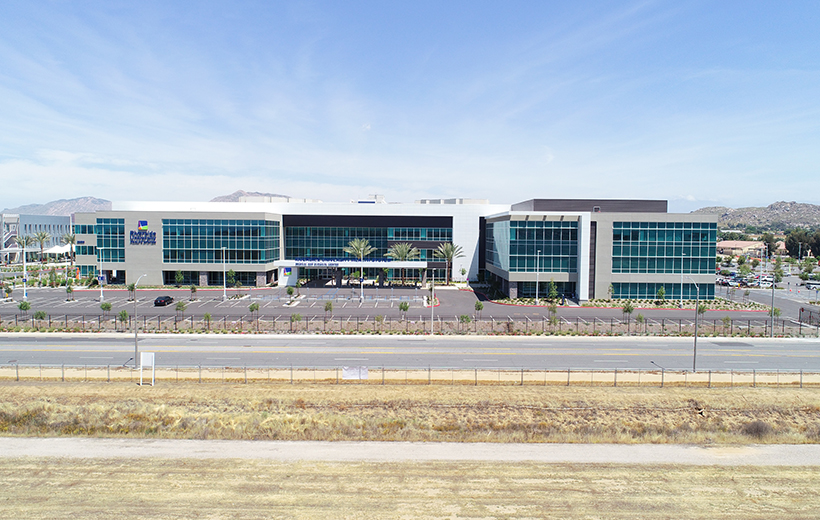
(8, 290)
(328, 309)
(479, 306)
(180, 308)
(295, 318)
(106, 307)
(727, 322)
(776, 312)
(230, 278)
(52, 277)
(610, 290)
(661, 294)
(207, 318)
(24, 306)
(404, 307)
(552, 291)
(193, 292)
(123, 317)
(40, 315)
(627, 309)
(464, 273)
(254, 308)
(639, 319)
(553, 312)
(179, 278)
(290, 292)
(69, 292)
(755, 263)
(132, 291)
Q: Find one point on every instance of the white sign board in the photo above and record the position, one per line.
(147, 358)
(354, 373)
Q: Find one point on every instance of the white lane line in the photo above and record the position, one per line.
(741, 362)
(609, 361)
(479, 360)
(352, 359)
(223, 358)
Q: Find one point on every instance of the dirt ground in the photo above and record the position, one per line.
(239, 489)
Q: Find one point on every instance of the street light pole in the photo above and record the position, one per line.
(136, 326)
(537, 272)
(432, 299)
(697, 312)
(224, 279)
(100, 278)
(25, 276)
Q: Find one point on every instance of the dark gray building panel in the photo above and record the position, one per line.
(593, 205)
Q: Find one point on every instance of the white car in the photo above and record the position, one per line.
(814, 285)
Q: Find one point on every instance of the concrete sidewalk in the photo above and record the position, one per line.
(751, 455)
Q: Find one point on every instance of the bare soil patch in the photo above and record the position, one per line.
(171, 489)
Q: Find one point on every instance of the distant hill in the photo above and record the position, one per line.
(235, 196)
(63, 207)
(779, 216)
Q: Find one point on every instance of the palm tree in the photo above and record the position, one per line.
(23, 242)
(403, 252)
(448, 251)
(70, 239)
(360, 248)
(42, 237)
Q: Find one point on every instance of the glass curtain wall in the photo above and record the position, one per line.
(202, 240)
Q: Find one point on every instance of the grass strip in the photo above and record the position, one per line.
(412, 413)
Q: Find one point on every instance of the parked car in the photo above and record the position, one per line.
(162, 301)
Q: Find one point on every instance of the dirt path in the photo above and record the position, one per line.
(752, 455)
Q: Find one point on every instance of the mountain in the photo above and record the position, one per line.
(235, 196)
(63, 207)
(779, 216)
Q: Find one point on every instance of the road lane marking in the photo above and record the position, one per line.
(223, 358)
(742, 362)
(479, 360)
(352, 359)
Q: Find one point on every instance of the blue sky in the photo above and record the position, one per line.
(700, 103)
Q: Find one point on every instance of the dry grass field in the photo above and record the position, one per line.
(240, 489)
(279, 411)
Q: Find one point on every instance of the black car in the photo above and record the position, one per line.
(162, 301)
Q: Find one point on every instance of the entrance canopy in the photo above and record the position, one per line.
(334, 263)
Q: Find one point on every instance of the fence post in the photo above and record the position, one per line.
(429, 374)
(200, 373)
(801, 378)
(17, 370)
(62, 373)
(476, 377)
(710, 379)
(616, 378)
(662, 376)
(568, 372)
(246, 374)
(291, 373)
(522, 377)
(108, 372)
(337, 375)
(754, 378)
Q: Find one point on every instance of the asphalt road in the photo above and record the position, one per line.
(464, 352)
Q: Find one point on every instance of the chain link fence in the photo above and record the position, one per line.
(415, 376)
